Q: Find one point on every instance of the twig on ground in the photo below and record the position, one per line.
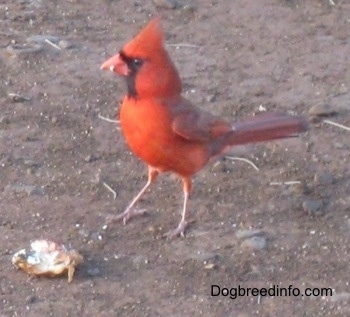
(285, 183)
(244, 160)
(110, 120)
(337, 125)
(183, 45)
(111, 190)
(53, 44)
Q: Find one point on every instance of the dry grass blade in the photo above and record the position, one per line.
(232, 158)
(53, 44)
(110, 120)
(183, 45)
(111, 190)
(285, 183)
(337, 125)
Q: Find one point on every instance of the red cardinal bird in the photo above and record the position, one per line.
(169, 133)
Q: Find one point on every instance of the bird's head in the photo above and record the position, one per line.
(146, 65)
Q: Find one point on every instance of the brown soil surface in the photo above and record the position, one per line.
(234, 57)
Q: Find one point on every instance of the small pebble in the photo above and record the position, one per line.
(299, 189)
(31, 163)
(255, 243)
(209, 266)
(90, 158)
(206, 257)
(29, 189)
(94, 271)
(139, 261)
(17, 49)
(166, 4)
(187, 9)
(4, 120)
(85, 232)
(313, 207)
(322, 110)
(65, 44)
(344, 296)
(18, 98)
(96, 236)
(323, 178)
(31, 299)
(41, 38)
(211, 98)
(248, 233)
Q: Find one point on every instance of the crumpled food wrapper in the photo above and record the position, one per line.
(47, 258)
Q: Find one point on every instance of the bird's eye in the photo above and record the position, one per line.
(137, 62)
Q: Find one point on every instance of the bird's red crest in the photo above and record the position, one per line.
(149, 39)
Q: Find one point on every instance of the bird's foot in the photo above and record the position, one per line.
(126, 215)
(179, 231)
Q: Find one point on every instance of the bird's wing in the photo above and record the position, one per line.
(197, 125)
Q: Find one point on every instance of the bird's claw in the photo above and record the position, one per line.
(178, 231)
(126, 215)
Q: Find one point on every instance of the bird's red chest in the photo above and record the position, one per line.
(146, 126)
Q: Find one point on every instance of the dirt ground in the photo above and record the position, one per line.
(235, 57)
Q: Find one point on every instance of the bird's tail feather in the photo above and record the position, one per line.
(264, 127)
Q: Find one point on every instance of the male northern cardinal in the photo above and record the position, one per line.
(169, 133)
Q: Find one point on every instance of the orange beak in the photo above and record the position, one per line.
(117, 65)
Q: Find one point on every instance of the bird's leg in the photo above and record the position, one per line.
(130, 211)
(180, 230)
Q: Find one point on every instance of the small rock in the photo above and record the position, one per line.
(187, 9)
(3, 290)
(90, 158)
(323, 178)
(96, 236)
(248, 233)
(29, 189)
(31, 299)
(344, 296)
(255, 243)
(96, 178)
(206, 257)
(42, 38)
(219, 166)
(139, 261)
(313, 207)
(299, 189)
(4, 120)
(17, 49)
(94, 271)
(322, 110)
(18, 98)
(211, 98)
(209, 266)
(65, 44)
(31, 163)
(85, 232)
(166, 4)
